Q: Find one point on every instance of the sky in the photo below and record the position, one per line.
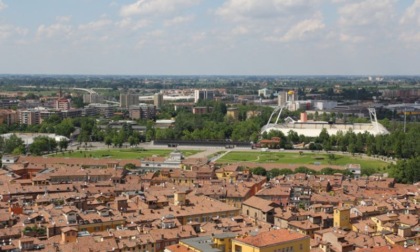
(210, 37)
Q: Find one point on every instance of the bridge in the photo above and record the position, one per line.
(90, 91)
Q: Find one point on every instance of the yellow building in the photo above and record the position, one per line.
(386, 222)
(216, 242)
(342, 218)
(273, 240)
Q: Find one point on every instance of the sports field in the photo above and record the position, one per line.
(123, 153)
(297, 158)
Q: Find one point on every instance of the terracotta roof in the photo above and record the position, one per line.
(272, 237)
(258, 203)
(67, 229)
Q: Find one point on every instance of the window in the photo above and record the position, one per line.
(238, 248)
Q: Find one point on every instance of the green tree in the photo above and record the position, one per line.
(64, 128)
(108, 140)
(63, 144)
(42, 144)
(13, 143)
(130, 166)
(259, 171)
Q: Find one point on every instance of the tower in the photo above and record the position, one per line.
(158, 100)
(342, 218)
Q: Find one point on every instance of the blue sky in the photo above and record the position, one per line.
(206, 37)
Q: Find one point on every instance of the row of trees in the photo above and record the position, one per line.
(401, 144)
(41, 144)
(398, 144)
(216, 125)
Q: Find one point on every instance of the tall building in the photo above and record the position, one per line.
(92, 98)
(62, 104)
(8, 116)
(285, 97)
(203, 95)
(142, 111)
(342, 218)
(105, 110)
(29, 117)
(158, 100)
(127, 100)
(282, 98)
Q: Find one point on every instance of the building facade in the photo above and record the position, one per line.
(127, 100)
(203, 95)
(142, 111)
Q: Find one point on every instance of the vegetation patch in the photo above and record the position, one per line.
(123, 153)
(301, 158)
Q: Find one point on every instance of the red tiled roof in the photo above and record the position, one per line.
(272, 237)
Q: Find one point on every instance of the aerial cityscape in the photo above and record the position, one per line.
(210, 126)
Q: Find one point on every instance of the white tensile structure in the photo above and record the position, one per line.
(314, 128)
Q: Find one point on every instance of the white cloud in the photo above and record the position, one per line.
(240, 30)
(367, 12)
(351, 38)
(63, 19)
(5, 31)
(178, 20)
(200, 36)
(238, 10)
(128, 23)
(2, 5)
(412, 14)
(147, 7)
(95, 25)
(410, 37)
(300, 31)
(303, 29)
(12, 32)
(50, 31)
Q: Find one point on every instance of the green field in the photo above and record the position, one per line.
(296, 158)
(123, 153)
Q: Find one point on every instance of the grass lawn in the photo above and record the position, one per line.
(123, 153)
(296, 158)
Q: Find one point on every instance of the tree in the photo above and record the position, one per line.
(63, 144)
(108, 140)
(150, 131)
(304, 169)
(406, 171)
(259, 171)
(77, 102)
(64, 128)
(13, 143)
(83, 137)
(42, 144)
(273, 173)
(130, 166)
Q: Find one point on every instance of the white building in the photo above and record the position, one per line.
(203, 95)
(325, 105)
(265, 93)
